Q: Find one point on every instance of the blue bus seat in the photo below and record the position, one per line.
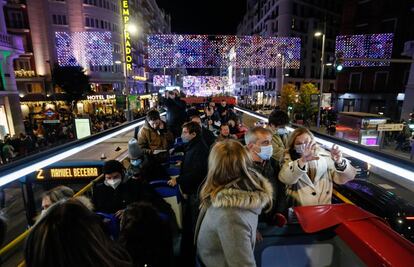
(112, 223)
(172, 196)
(173, 171)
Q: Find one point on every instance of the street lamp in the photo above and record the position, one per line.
(318, 34)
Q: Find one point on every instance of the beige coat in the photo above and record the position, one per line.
(150, 139)
(307, 192)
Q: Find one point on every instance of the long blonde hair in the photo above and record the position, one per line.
(230, 165)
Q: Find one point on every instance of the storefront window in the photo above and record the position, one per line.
(4, 126)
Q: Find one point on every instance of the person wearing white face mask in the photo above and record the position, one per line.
(310, 171)
(110, 196)
(278, 120)
(259, 144)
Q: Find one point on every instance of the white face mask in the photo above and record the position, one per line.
(300, 149)
(282, 131)
(113, 183)
(265, 152)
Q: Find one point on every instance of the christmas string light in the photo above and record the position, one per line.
(369, 46)
(84, 49)
(208, 51)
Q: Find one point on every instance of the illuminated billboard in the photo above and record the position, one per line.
(365, 46)
(204, 81)
(161, 80)
(258, 80)
(213, 51)
(84, 49)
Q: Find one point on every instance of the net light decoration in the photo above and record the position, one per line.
(204, 85)
(365, 46)
(161, 80)
(258, 80)
(212, 51)
(84, 49)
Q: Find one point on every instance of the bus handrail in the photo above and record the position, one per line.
(22, 236)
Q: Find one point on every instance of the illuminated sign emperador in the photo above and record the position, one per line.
(127, 41)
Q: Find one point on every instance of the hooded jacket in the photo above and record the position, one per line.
(306, 192)
(226, 229)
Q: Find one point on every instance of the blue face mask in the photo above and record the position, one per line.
(282, 131)
(265, 152)
(185, 140)
(136, 162)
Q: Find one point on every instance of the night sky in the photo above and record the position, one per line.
(204, 16)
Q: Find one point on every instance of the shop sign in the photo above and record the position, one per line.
(51, 121)
(50, 114)
(127, 40)
(121, 102)
(390, 127)
(100, 97)
(24, 73)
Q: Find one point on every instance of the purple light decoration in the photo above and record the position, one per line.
(84, 49)
(370, 46)
(207, 51)
(161, 80)
(204, 81)
(257, 80)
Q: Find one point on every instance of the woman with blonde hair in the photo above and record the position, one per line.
(309, 171)
(232, 198)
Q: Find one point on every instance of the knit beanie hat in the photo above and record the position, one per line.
(134, 151)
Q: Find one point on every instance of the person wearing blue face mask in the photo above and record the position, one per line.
(192, 173)
(139, 166)
(278, 120)
(135, 158)
(259, 144)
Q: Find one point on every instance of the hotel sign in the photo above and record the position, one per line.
(127, 40)
(100, 97)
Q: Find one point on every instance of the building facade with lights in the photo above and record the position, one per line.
(11, 46)
(293, 18)
(379, 89)
(89, 33)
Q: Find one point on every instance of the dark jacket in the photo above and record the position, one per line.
(109, 200)
(194, 166)
(176, 114)
(270, 170)
(208, 136)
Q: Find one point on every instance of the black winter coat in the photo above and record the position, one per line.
(109, 200)
(208, 136)
(176, 114)
(194, 166)
(270, 170)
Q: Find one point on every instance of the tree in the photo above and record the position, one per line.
(304, 105)
(73, 81)
(288, 96)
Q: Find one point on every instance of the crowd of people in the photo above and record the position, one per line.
(41, 136)
(231, 177)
